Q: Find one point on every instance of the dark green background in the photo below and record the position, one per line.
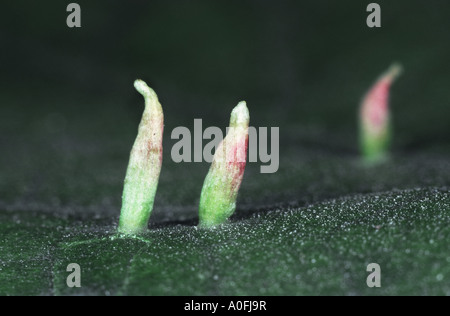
(69, 115)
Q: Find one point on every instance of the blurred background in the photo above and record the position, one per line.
(69, 112)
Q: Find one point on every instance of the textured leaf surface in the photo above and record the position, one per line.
(320, 249)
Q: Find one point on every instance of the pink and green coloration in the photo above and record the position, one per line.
(375, 117)
(221, 185)
(141, 180)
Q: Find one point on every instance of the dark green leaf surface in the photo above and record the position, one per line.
(321, 249)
